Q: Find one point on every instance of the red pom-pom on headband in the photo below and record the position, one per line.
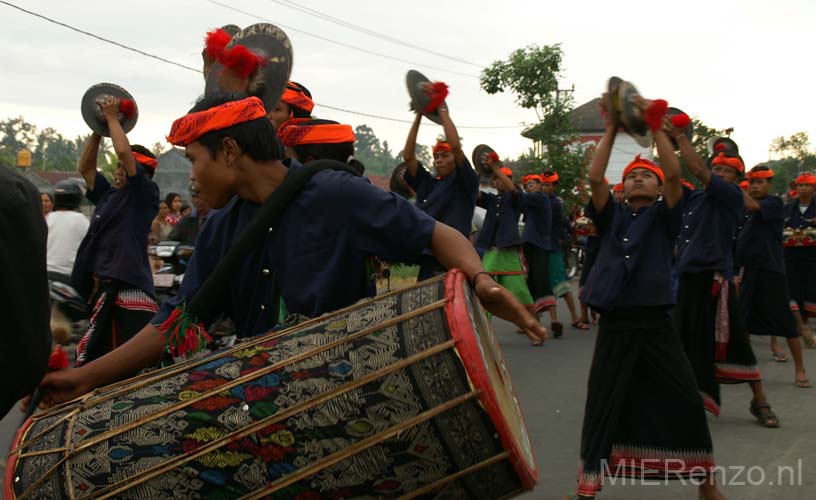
(442, 146)
(127, 107)
(439, 91)
(215, 43)
(241, 60)
(680, 121)
(653, 116)
(639, 162)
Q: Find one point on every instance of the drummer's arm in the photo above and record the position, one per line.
(121, 145)
(143, 350)
(87, 162)
(409, 152)
(451, 134)
(694, 161)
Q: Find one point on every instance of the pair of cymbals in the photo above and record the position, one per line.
(91, 107)
(416, 82)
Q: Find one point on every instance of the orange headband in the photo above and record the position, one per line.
(530, 177)
(293, 134)
(639, 162)
(294, 96)
(618, 188)
(687, 184)
(806, 179)
(190, 127)
(732, 162)
(744, 185)
(762, 174)
(145, 160)
(442, 146)
(506, 171)
(549, 179)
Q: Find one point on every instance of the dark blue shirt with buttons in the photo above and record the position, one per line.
(759, 245)
(500, 228)
(115, 246)
(557, 226)
(450, 200)
(537, 220)
(315, 256)
(709, 229)
(634, 263)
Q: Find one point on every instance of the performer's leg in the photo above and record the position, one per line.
(799, 366)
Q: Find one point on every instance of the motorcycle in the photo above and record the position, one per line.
(171, 258)
(69, 312)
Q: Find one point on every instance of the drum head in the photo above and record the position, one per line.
(487, 370)
(688, 130)
(270, 42)
(631, 116)
(479, 157)
(398, 184)
(92, 112)
(419, 98)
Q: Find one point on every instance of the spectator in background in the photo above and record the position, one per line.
(186, 231)
(173, 201)
(25, 339)
(66, 229)
(161, 227)
(47, 203)
(186, 210)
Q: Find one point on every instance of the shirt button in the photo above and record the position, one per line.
(686, 227)
(270, 229)
(691, 213)
(625, 240)
(265, 272)
(263, 307)
(625, 256)
(687, 241)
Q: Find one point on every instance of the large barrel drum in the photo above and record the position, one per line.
(403, 396)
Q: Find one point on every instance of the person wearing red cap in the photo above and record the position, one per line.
(708, 317)
(763, 286)
(112, 270)
(799, 241)
(617, 192)
(450, 195)
(643, 411)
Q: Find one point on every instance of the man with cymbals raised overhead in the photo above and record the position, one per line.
(644, 416)
(450, 195)
(282, 230)
(763, 287)
(707, 317)
(799, 241)
(112, 270)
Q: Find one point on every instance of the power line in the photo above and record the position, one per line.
(400, 120)
(343, 44)
(106, 40)
(361, 29)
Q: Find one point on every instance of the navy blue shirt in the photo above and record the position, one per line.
(500, 228)
(709, 229)
(795, 219)
(315, 256)
(115, 246)
(537, 220)
(759, 245)
(634, 264)
(450, 200)
(557, 227)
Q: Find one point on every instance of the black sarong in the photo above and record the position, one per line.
(538, 277)
(644, 417)
(800, 271)
(766, 304)
(698, 320)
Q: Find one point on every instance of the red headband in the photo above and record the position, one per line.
(145, 160)
(761, 174)
(618, 188)
(530, 177)
(729, 161)
(297, 98)
(806, 179)
(442, 146)
(687, 184)
(639, 162)
(744, 185)
(294, 134)
(549, 178)
(190, 127)
(506, 171)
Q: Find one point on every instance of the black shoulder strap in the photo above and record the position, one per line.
(213, 289)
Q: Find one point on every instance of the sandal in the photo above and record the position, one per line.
(803, 383)
(558, 328)
(763, 413)
(579, 325)
(537, 343)
(779, 356)
(807, 336)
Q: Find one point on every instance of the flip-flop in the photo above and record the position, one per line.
(803, 383)
(779, 357)
(537, 343)
(580, 325)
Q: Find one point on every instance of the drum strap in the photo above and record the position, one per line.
(184, 329)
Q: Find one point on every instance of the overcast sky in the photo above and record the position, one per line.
(742, 64)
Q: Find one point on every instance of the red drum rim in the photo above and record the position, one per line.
(515, 442)
(11, 466)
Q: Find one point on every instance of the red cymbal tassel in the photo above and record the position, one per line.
(654, 114)
(680, 121)
(241, 60)
(439, 91)
(215, 43)
(127, 107)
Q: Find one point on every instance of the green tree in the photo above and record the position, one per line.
(15, 134)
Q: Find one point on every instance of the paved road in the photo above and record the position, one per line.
(551, 381)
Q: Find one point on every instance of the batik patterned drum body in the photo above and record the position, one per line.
(402, 396)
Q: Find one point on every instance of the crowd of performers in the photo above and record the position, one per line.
(680, 276)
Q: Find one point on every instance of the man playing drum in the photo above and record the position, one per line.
(311, 255)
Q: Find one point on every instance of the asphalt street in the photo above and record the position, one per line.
(551, 382)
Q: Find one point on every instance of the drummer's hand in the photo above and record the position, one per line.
(669, 127)
(110, 107)
(608, 113)
(500, 302)
(61, 386)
